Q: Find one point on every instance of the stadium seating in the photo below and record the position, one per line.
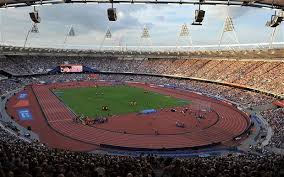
(23, 158)
(263, 75)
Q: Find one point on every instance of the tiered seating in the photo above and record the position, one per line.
(260, 74)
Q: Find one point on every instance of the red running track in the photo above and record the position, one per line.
(39, 125)
(221, 125)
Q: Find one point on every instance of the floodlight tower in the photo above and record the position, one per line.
(145, 37)
(184, 36)
(120, 41)
(275, 23)
(229, 28)
(70, 33)
(108, 36)
(34, 29)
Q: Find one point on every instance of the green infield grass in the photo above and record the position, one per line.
(90, 100)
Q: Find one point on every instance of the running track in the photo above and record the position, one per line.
(231, 122)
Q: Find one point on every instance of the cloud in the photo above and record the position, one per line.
(221, 12)
(163, 21)
(89, 17)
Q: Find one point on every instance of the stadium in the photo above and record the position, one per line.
(146, 106)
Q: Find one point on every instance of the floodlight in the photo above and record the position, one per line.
(35, 16)
(275, 20)
(111, 12)
(199, 15)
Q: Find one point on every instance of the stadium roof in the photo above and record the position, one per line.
(274, 4)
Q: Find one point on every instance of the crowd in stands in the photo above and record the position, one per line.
(241, 96)
(275, 118)
(265, 75)
(8, 85)
(19, 158)
(2, 77)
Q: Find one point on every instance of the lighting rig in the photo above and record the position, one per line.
(34, 29)
(275, 23)
(276, 19)
(35, 16)
(199, 14)
(111, 12)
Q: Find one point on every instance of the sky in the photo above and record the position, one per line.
(163, 22)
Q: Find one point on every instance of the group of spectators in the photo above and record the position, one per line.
(2, 77)
(22, 159)
(264, 75)
(241, 96)
(8, 85)
(19, 158)
(275, 118)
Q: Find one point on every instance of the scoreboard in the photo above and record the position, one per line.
(71, 68)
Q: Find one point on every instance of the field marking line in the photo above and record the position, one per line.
(61, 120)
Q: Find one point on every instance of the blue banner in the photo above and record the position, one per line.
(23, 96)
(24, 114)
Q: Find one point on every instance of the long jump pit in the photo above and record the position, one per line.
(204, 126)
